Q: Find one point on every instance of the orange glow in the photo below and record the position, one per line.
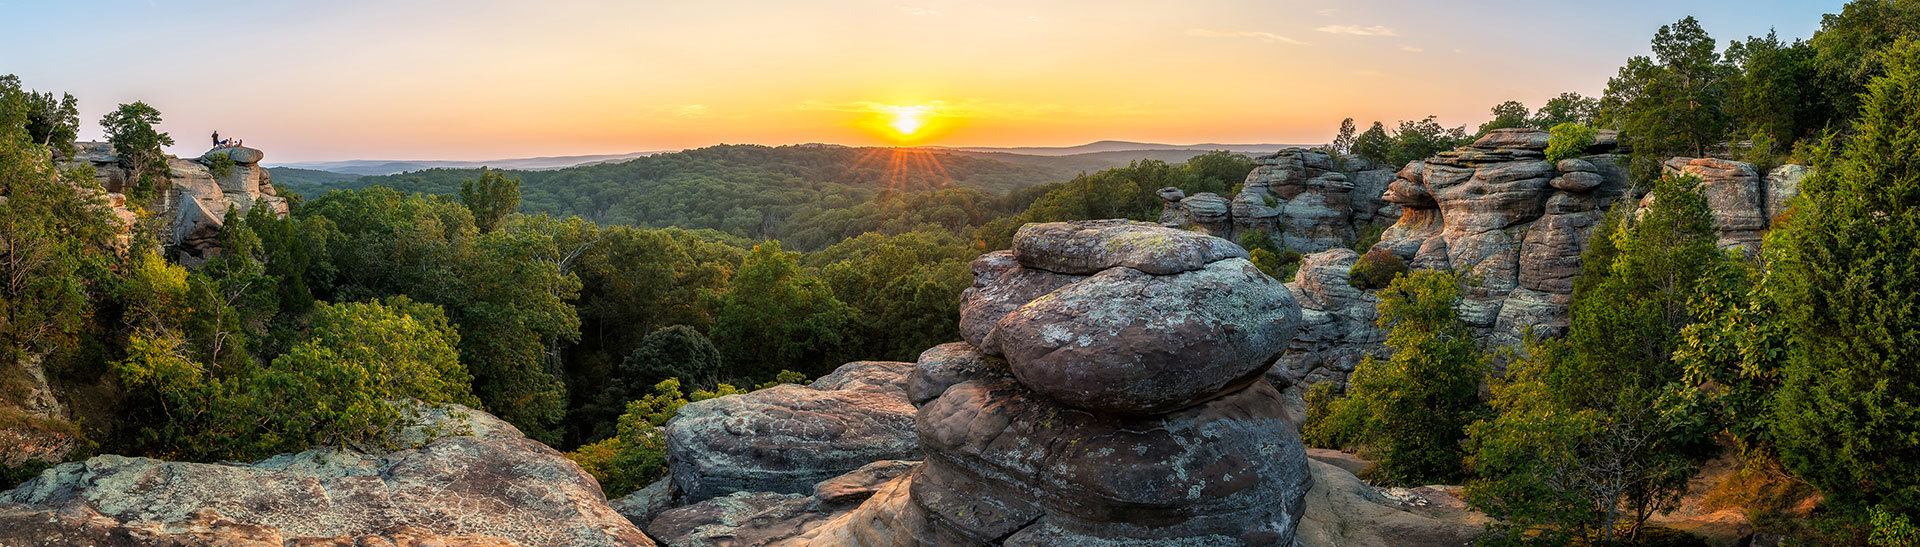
(904, 124)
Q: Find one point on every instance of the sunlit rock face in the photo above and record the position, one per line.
(194, 204)
(1307, 200)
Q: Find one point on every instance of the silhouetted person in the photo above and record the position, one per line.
(216, 138)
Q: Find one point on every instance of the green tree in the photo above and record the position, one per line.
(1569, 140)
(1848, 44)
(1846, 413)
(903, 291)
(1671, 104)
(1566, 108)
(1374, 144)
(1506, 115)
(1778, 93)
(777, 316)
(130, 129)
(1591, 435)
(676, 352)
(491, 197)
(53, 123)
(1343, 140)
(56, 243)
(1411, 411)
(1419, 140)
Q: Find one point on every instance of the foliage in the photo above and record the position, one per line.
(678, 352)
(1843, 287)
(1569, 140)
(1376, 269)
(335, 388)
(1779, 96)
(1418, 140)
(1506, 115)
(1593, 434)
(903, 290)
(1343, 140)
(778, 316)
(1411, 410)
(130, 129)
(491, 197)
(1848, 45)
(1672, 104)
(637, 453)
(1374, 144)
(56, 244)
(1567, 108)
(49, 122)
(219, 165)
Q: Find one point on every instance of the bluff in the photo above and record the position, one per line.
(1306, 199)
(193, 206)
(1497, 209)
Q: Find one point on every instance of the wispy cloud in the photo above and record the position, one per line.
(1257, 35)
(1411, 49)
(1357, 30)
(1326, 12)
(982, 108)
(922, 12)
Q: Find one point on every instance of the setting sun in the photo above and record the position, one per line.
(908, 119)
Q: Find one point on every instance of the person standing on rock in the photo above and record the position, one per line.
(216, 138)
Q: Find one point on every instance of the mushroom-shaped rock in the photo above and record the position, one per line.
(786, 438)
(1518, 137)
(1578, 181)
(1003, 460)
(1000, 286)
(1089, 246)
(1171, 194)
(1125, 341)
(942, 366)
(238, 154)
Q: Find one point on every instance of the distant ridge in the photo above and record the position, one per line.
(1121, 146)
(388, 167)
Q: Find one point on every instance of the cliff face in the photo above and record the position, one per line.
(1498, 210)
(194, 205)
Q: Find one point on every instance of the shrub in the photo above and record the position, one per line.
(637, 454)
(1376, 269)
(1570, 140)
(1410, 411)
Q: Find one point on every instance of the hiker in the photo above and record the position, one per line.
(216, 138)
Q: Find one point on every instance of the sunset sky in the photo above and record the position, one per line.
(483, 80)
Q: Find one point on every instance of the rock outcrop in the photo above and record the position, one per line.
(493, 488)
(1500, 211)
(786, 438)
(1307, 200)
(194, 205)
(763, 518)
(1126, 410)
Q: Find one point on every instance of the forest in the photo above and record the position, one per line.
(584, 305)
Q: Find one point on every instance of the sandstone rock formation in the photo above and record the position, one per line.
(1126, 411)
(1307, 199)
(1341, 510)
(786, 438)
(1498, 210)
(496, 488)
(194, 205)
(763, 518)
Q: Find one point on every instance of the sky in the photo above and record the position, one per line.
(478, 79)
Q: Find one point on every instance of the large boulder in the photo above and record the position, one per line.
(1005, 462)
(1000, 286)
(841, 511)
(786, 438)
(945, 365)
(1341, 510)
(1126, 341)
(496, 489)
(1090, 246)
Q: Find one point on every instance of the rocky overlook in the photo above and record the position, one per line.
(194, 205)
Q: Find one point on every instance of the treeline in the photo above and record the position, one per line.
(1796, 359)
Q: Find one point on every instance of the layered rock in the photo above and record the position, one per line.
(1498, 210)
(493, 488)
(770, 518)
(1306, 199)
(194, 205)
(1097, 401)
(786, 438)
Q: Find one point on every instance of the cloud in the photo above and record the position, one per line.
(1326, 12)
(921, 12)
(1357, 30)
(982, 108)
(1261, 36)
(1411, 49)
